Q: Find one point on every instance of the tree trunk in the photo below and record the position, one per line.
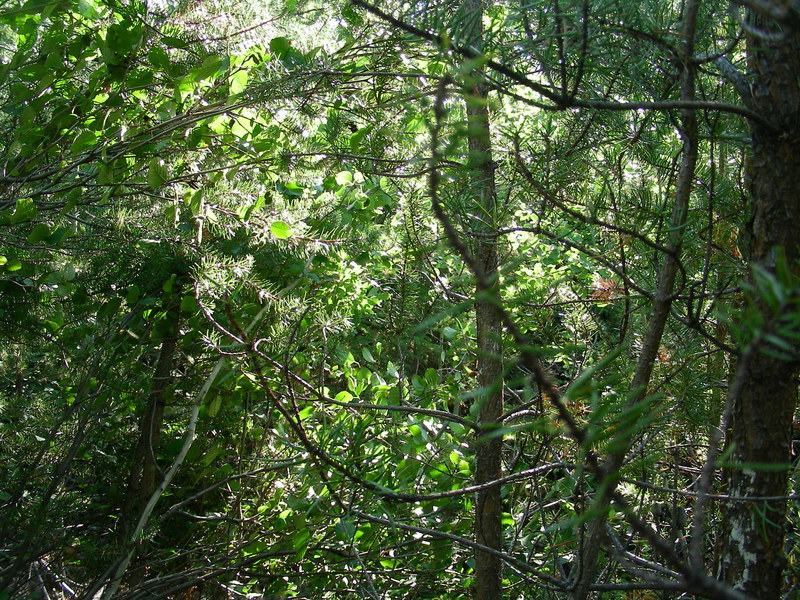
(142, 479)
(752, 552)
(488, 452)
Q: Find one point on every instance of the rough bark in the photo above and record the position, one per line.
(752, 551)
(488, 452)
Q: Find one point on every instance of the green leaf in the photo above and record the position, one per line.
(345, 530)
(68, 272)
(39, 233)
(300, 543)
(254, 548)
(196, 202)
(3, 260)
(431, 378)
(189, 304)
(281, 230)
(157, 174)
(344, 178)
(140, 78)
(290, 190)
(343, 397)
(58, 234)
(213, 407)
(13, 265)
(280, 46)
(169, 283)
(158, 58)
(132, 295)
(209, 67)
(87, 9)
(238, 82)
(84, 141)
(124, 37)
(80, 296)
(352, 16)
(173, 42)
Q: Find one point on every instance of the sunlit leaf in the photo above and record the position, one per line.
(281, 230)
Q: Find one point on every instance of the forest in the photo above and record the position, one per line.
(399, 300)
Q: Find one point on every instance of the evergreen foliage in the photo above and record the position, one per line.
(247, 263)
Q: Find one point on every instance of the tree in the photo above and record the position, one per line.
(767, 367)
(239, 270)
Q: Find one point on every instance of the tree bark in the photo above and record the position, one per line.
(488, 452)
(142, 477)
(752, 554)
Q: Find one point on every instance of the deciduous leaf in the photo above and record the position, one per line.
(158, 58)
(39, 233)
(157, 174)
(281, 230)
(85, 140)
(280, 46)
(207, 69)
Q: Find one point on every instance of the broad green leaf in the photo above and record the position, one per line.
(68, 272)
(85, 140)
(280, 46)
(431, 378)
(281, 230)
(173, 42)
(133, 294)
(345, 530)
(351, 15)
(213, 407)
(209, 67)
(254, 548)
(238, 82)
(169, 283)
(13, 265)
(454, 457)
(124, 37)
(87, 9)
(189, 304)
(343, 397)
(80, 295)
(196, 202)
(140, 78)
(300, 542)
(158, 58)
(157, 174)
(344, 178)
(290, 190)
(39, 233)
